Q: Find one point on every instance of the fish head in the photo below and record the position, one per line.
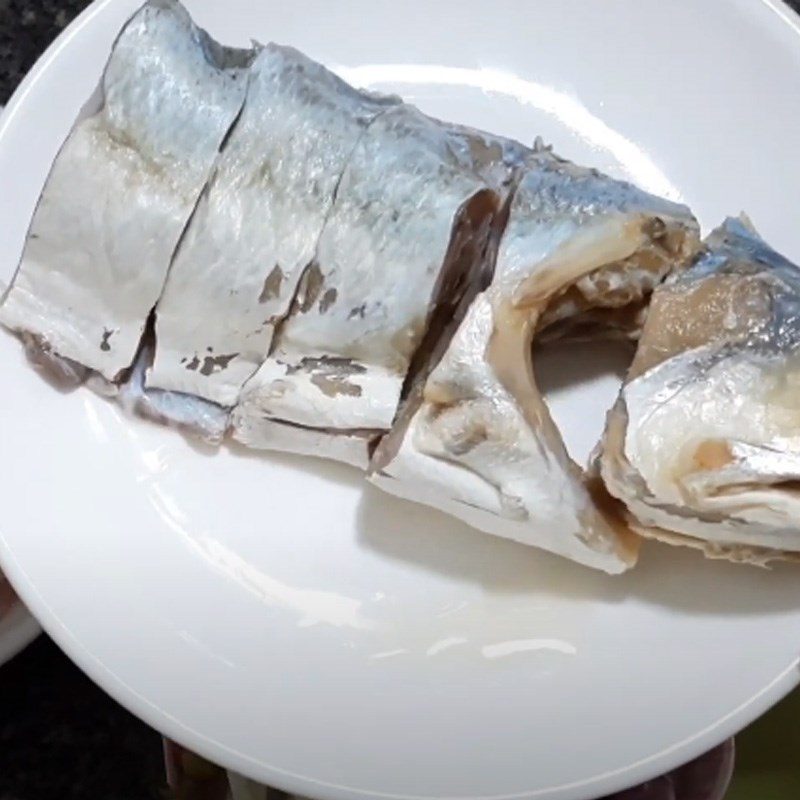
(705, 439)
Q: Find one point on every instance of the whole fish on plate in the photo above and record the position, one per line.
(121, 191)
(406, 242)
(476, 439)
(237, 242)
(703, 446)
(257, 225)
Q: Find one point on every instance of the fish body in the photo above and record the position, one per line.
(122, 189)
(257, 225)
(703, 446)
(480, 443)
(238, 243)
(408, 231)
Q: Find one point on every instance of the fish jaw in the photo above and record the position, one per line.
(256, 228)
(122, 189)
(704, 443)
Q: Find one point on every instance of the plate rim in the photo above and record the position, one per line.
(787, 13)
(43, 618)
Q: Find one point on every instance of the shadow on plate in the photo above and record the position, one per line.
(564, 365)
(433, 542)
(678, 578)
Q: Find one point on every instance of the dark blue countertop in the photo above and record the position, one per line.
(26, 28)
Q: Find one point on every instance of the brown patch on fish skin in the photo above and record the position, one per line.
(212, 364)
(328, 365)
(406, 341)
(335, 386)
(194, 364)
(673, 240)
(328, 299)
(272, 285)
(719, 309)
(484, 153)
(712, 454)
(104, 345)
(613, 511)
(331, 375)
(436, 410)
(654, 228)
(310, 289)
(60, 372)
(440, 395)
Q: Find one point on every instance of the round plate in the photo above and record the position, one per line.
(291, 623)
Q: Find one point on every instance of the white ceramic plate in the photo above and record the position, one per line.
(17, 630)
(284, 620)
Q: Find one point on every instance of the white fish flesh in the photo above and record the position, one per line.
(478, 441)
(257, 226)
(407, 235)
(703, 446)
(122, 190)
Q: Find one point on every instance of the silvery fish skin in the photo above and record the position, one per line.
(703, 445)
(479, 442)
(410, 226)
(257, 225)
(122, 190)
